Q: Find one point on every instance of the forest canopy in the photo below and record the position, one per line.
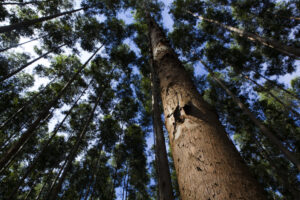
(149, 99)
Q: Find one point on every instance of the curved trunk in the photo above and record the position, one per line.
(27, 64)
(289, 155)
(29, 132)
(288, 50)
(36, 159)
(286, 107)
(73, 153)
(25, 24)
(207, 164)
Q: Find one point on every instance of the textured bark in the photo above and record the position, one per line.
(25, 24)
(288, 50)
(163, 171)
(289, 155)
(30, 131)
(286, 107)
(45, 146)
(207, 164)
(27, 64)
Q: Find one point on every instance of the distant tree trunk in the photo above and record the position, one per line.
(25, 105)
(29, 132)
(286, 107)
(94, 173)
(43, 187)
(17, 45)
(36, 159)
(163, 171)
(73, 153)
(27, 64)
(207, 164)
(288, 50)
(26, 23)
(279, 86)
(289, 155)
(22, 3)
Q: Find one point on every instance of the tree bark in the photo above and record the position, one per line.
(289, 155)
(207, 164)
(27, 64)
(26, 23)
(288, 50)
(36, 159)
(73, 153)
(163, 171)
(29, 132)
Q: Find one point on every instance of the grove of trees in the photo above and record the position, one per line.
(107, 100)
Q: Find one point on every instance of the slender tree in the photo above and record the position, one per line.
(24, 24)
(288, 50)
(289, 155)
(29, 132)
(53, 194)
(28, 64)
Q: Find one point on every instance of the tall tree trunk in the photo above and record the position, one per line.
(27, 64)
(288, 50)
(17, 45)
(29, 132)
(274, 83)
(44, 185)
(36, 159)
(286, 107)
(73, 153)
(162, 169)
(289, 155)
(26, 23)
(207, 164)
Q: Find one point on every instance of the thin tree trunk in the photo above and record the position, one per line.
(208, 165)
(36, 159)
(93, 181)
(73, 153)
(26, 104)
(286, 107)
(288, 50)
(29, 132)
(27, 64)
(43, 187)
(163, 171)
(26, 23)
(22, 3)
(17, 45)
(279, 86)
(289, 155)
